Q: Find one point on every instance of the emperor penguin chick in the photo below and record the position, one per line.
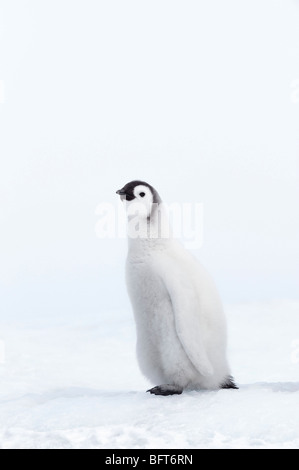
(181, 327)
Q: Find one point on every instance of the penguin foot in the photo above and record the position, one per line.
(229, 383)
(166, 390)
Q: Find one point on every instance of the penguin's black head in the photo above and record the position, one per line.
(139, 191)
(140, 198)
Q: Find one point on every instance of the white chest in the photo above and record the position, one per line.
(158, 347)
(150, 300)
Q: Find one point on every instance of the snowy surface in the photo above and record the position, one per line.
(74, 383)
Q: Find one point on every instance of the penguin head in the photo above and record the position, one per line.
(140, 194)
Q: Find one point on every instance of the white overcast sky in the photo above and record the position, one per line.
(200, 99)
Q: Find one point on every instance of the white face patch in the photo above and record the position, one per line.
(143, 193)
(144, 197)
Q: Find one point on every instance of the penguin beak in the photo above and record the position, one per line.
(121, 192)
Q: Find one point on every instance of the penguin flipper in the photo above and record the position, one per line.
(186, 309)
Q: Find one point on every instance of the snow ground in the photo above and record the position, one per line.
(74, 383)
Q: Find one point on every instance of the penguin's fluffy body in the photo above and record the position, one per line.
(181, 326)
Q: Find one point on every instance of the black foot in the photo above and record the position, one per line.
(229, 383)
(166, 390)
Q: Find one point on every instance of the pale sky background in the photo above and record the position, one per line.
(199, 98)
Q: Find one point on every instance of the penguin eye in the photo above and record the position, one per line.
(142, 194)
